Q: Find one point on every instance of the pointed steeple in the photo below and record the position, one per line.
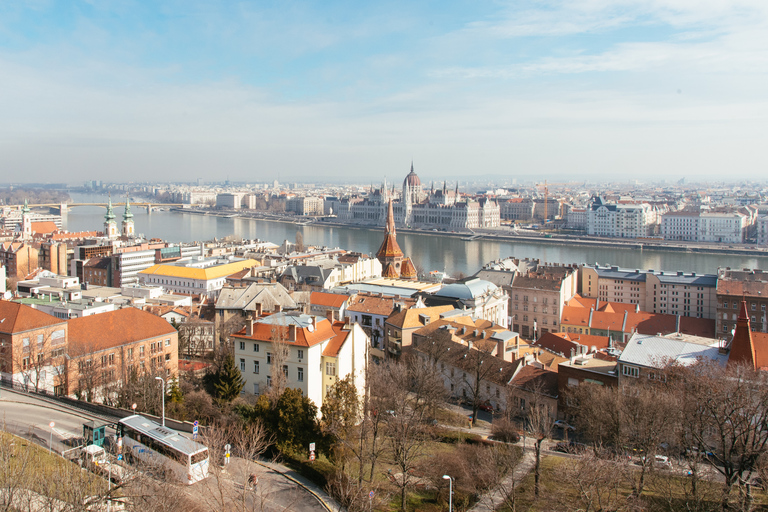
(127, 214)
(110, 214)
(742, 346)
(25, 208)
(390, 226)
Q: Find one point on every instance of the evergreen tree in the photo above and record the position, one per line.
(229, 382)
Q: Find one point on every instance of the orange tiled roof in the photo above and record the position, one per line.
(389, 247)
(322, 331)
(408, 269)
(333, 347)
(331, 300)
(390, 271)
(16, 318)
(44, 227)
(115, 328)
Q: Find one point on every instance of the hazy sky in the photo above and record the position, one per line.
(179, 90)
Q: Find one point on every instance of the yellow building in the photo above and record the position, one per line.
(206, 277)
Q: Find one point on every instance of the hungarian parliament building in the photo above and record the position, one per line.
(440, 209)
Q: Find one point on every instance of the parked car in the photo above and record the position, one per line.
(487, 407)
(659, 462)
(564, 425)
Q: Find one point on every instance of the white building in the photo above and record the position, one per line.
(317, 352)
(201, 277)
(730, 228)
(620, 220)
(762, 230)
(478, 297)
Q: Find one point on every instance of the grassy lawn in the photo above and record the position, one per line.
(663, 491)
(25, 465)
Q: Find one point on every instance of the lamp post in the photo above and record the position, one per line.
(50, 443)
(163, 395)
(450, 492)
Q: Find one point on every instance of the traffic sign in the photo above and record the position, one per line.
(371, 494)
(311, 447)
(195, 424)
(227, 446)
(311, 456)
(119, 456)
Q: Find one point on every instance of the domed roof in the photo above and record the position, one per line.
(467, 290)
(412, 180)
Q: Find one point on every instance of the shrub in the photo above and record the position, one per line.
(505, 431)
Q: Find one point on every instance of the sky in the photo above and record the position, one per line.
(353, 91)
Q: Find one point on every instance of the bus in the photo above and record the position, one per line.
(160, 446)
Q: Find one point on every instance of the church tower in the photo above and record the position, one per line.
(128, 229)
(390, 255)
(110, 226)
(26, 222)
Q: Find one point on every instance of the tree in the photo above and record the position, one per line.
(725, 414)
(291, 419)
(42, 358)
(341, 412)
(229, 381)
(415, 386)
(299, 242)
(540, 421)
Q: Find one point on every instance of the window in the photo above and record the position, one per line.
(168, 342)
(330, 369)
(255, 347)
(167, 357)
(255, 388)
(630, 371)
(269, 357)
(300, 354)
(285, 370)
(130, 353)
(242, 365)
(141, 351)
(300, 376)
(242, 345)
(269, 381)
(255, 367)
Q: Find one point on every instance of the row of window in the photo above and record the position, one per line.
(257, 349)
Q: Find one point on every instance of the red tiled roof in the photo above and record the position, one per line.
(390, 271)
(389, 247)
(16, 318)
(115, 328)
(742, 347)
(333, 347)
(331, 300)
(322, 331)
(44, 227)
(408, 269)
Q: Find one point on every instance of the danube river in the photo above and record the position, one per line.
(429, 251)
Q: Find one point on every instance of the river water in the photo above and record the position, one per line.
(430, 252)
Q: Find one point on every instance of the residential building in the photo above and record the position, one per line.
(202, 277)
(646, 354)
(314, 353)
(517, 208)
(676, 293)
(252, 301)
(735, 286)
(330, 305)
(371, 311)
(477, 297)
(457, 327)
(620, 220)
(19, 259)
(32, 347)
(400, 326)
(105, 350)
(761, 227)
(537, 298)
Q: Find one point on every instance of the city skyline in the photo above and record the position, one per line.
(567, 90)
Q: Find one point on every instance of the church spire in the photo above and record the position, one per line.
(110, 214)
(127, 214)
(390, 229)
(25, 208)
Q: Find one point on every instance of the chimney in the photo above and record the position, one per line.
(292, 332)
(573, 355)
(249, 327)
(677, 324)
(329, 314)
(278, 308)
(597, 303)
(258, 309)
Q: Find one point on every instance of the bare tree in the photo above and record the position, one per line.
(540, 421)
(415, 386)
(279, 353)
(41, 358)
(598, 482)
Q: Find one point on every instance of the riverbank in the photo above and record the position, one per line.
(504, 235)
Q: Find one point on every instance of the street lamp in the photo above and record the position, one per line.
(163, 381)
(450, 492)
(50, 443)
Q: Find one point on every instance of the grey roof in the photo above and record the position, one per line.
(497, 277)
(694, 279)
(469, 289)
(303, 274)
(620, 273)
(299, 320)
(656, 351)
(268, 295)
(353, 288)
